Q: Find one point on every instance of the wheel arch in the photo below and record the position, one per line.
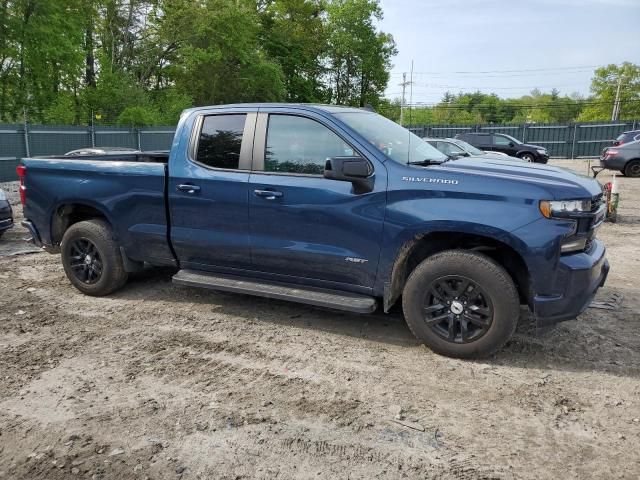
(67, 213)
(525, 152)
(505, 251)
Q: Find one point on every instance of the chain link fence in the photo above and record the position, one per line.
(574, 140)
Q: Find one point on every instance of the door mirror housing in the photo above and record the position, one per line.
(511, 144)
(356, 170)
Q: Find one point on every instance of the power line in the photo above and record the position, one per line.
(557, 104)
(463, 72)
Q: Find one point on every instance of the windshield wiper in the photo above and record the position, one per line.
(428, 161)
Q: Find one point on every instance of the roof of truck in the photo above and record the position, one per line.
(306, 106)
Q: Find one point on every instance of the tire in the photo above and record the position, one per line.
(632, 169)
(103, 272)
(490, 289)
(527, 157)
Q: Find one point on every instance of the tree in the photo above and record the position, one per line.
(604, 85)
(293, 35)
(359, 56)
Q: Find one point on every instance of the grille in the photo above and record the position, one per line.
(596, 202)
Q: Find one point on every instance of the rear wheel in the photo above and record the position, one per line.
(91, 258)
(632, 169)
(461, 304)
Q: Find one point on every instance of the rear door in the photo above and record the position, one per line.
(303, 225)
(481, 141)
(208, 192)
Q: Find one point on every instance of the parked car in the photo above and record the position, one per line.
(335, 207)
(626, 137)
(100, 151)
(501, 142)
(625, 158)
(6, 213)
(453, 147)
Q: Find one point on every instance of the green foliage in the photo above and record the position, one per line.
(359, 57)
(141, 62)
(603, 87)
(138, 116)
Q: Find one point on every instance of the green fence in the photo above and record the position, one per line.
(17, 141)
(574, 140)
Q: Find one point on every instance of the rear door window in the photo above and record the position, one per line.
(220, 141)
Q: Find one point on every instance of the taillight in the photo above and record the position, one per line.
(611, 152)
(21, 170)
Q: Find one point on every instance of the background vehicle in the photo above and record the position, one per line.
(335, 207)
(626, 137)
(625, 158)
(100, 151)
(500, 142)
(458, 148)
(6, 213)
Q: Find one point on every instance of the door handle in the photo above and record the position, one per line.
(267, 194)
(185, 187)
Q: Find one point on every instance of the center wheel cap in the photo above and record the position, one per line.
(87, 260)
(456, 307)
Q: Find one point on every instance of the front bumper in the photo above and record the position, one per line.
(581, 274)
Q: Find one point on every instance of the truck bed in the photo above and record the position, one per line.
(129, 190)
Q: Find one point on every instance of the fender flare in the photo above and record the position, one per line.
(394, 272)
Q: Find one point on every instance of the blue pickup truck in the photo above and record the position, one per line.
(334, 207)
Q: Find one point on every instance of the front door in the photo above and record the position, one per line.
(301, 224)
(208, 193)
(504, 144)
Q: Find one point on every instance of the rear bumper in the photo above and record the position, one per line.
(581, 275)
(36, 239)
(6, 216)
(613, 163)
(6, 224)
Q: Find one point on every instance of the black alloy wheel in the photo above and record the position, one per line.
(85, 261)
(457, 309)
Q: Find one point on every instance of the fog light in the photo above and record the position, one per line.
(573, 245)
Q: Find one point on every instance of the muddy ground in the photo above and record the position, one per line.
(159, 381)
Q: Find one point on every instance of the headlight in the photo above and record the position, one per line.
(2, 196)
(551, 208)
(541, 151)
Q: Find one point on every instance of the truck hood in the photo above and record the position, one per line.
(562, 184)
(532, 146)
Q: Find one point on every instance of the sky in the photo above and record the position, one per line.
(508, 47)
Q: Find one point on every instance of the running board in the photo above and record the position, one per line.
(349, 302)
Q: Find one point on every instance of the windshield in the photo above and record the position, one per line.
(470, 149)
(396, 142)
(514, 140)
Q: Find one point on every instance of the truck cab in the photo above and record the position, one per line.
(335, 207)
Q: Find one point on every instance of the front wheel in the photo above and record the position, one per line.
(527, 157)
(91, 258)
(461, 304)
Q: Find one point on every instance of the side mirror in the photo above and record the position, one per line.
(511, 144)
(350, 169)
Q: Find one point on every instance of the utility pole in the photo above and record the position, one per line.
(616, 104)
(404, 85)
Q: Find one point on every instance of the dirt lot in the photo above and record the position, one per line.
(159, 381)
